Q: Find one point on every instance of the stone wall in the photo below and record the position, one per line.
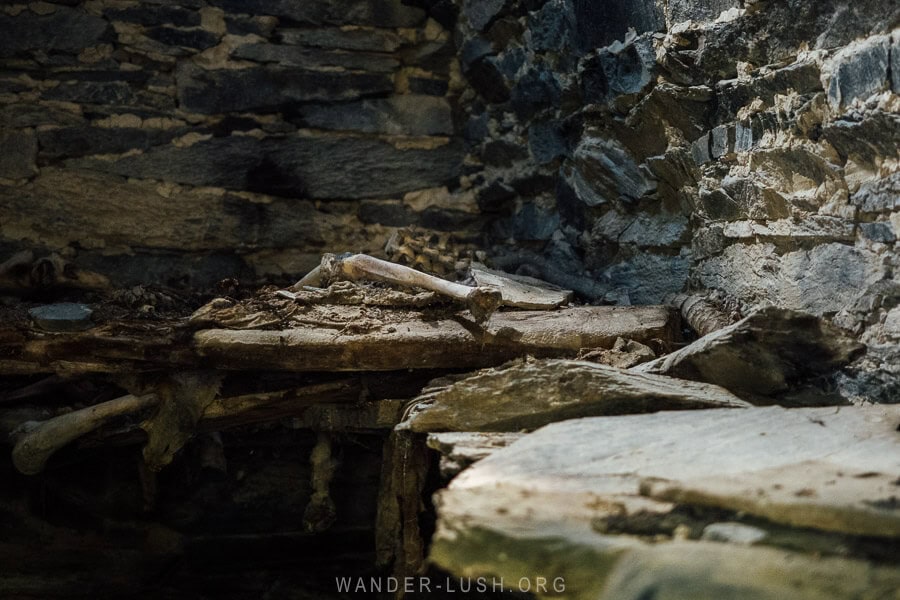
(190, 140)
(748, 147)
(744, 149)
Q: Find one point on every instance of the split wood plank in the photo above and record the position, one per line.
(449, 343)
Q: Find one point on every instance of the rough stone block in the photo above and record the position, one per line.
(697, 10)
(154, 15)
(878, 232)
(321, 167)
(553, 26)
(334, 38)
(380, 13)
(648, 278)
(608, 169)
(91, 92)
(230, 90)
(721, 141)
(700, 150)
(64, 30)
(601, 23)
(428, 87)
(481, 12)
(398, 115)
(197, 39)
(895, 64)
(860, 72)
(70, 142)
(16, 116)
(314, 59)
(18, 150)
(820, 281)
(882, 194)
(547, 141)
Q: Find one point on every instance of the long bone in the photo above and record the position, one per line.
(481, 301)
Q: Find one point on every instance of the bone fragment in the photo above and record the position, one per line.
(481, 301)
(39, 440)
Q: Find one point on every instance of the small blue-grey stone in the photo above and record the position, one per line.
(66, 316)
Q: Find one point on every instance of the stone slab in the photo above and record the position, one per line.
(530, 394)
(537, 506)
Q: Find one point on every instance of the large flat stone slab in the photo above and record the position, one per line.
(772, 353)
(530, 394)
(544, 504)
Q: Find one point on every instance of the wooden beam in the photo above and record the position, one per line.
(448, 343)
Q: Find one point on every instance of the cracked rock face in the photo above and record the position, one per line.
(744, 149)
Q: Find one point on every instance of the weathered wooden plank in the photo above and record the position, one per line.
(773, 353)
(448, 343)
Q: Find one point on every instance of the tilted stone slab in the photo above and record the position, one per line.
(530, 394)
(452, 343)
(764, 354)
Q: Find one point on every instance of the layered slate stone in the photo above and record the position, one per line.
(65, 30)
(19, 149)
(336, 38)
(266, 88)
(528, 395)
(311, 58)
(115, 213)
(398, 115)
(310, 166)
(861, 71)
(770, 352)
(381, 13)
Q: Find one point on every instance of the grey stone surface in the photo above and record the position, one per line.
(481, 12)
(318, 166)
(398, 115)
(228, 90)
(18, 150)
(647, 277)
(83, 141)
(557, 491)
(312, 58)
(697, 10)
(197, 39)
(734, 533)
(520, 396)
(154, 15)
(860, 72)
(331, 37)
(380, 13)
(91, 92)
(602, 23)
(882, 194)
(65, 29)
(766, 355)
(66, 316)
(606, 167)
(878, 232)
(19, 115)
(895, 63)
(823, 280)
